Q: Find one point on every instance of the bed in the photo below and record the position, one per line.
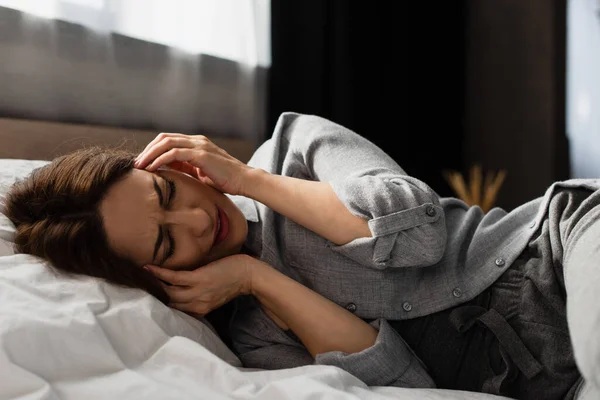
(74, 337)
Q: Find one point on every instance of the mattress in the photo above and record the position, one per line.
(75, 337)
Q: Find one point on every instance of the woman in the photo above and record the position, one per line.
(331, 255)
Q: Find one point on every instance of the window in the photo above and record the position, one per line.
(232, 29)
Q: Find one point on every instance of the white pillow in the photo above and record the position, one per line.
(6, 248)
(10, 171)
(39, 307)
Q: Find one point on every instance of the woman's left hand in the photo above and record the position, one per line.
(200, 291)
(199, 157)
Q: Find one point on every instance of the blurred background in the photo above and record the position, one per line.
(509, 85)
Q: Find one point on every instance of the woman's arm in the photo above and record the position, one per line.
(374, 352)
(321, 325)
(311, 204)
(396, 219)
(326, 334)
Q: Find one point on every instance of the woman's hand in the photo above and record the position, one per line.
(198, 157)
(200, 291)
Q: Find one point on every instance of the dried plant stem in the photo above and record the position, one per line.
(475, 193)
(492, 191)
(476, 184)
(458, 184)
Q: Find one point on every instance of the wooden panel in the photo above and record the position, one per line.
(39, 140)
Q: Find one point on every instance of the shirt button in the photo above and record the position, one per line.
(351, 307)
(532, 224)
(407, 306)
(430, 210)
(457, 292)
(500, 261)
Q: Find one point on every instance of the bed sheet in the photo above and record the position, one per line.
(75, 337)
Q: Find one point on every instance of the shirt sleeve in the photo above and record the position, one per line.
(260, 343)
(404, 214)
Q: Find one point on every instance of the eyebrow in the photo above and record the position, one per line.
(159, 238)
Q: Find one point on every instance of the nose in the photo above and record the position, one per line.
(196, 220)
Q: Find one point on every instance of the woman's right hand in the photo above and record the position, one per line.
(198, 157)
(210, 286)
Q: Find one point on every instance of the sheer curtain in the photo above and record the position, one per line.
(176, 65)
(583, 87)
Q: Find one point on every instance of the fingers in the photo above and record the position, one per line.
(157, 139)
(180, 278)
(184, 167)
(161, 147)
(193, 156)
(199, 308)
(181, 294)
(190, 308)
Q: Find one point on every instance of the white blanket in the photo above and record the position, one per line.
(81, 338)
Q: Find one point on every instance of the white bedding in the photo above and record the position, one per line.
(81, 338)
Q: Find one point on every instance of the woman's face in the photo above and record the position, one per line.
(168, 218)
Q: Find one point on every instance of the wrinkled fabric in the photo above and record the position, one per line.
(423, 250)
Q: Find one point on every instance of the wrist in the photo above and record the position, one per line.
(253, 182)
(255, 276)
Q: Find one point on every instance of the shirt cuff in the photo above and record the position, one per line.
(406, 221)
(389, 362)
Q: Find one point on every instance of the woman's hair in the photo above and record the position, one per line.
(56, 214)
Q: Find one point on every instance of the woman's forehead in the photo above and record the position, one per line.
(135, 188)
(129, 213)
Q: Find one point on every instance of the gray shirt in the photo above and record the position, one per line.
(426, 253)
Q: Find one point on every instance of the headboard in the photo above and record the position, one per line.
(40, 140)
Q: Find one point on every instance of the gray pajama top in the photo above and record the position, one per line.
(426, 253)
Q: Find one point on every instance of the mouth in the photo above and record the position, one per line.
(221, 227)
(217, 226)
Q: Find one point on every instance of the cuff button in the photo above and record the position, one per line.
(430, 210)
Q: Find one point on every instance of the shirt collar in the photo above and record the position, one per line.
(247, 205)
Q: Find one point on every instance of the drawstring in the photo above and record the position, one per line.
(512, 347)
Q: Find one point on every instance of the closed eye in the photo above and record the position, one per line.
(170, 196)
(171, 248)
(172, 191)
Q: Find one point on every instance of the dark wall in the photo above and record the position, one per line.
(391, 71)
(515, 93)
(438, 85)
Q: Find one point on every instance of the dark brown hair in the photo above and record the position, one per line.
(56, 214)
